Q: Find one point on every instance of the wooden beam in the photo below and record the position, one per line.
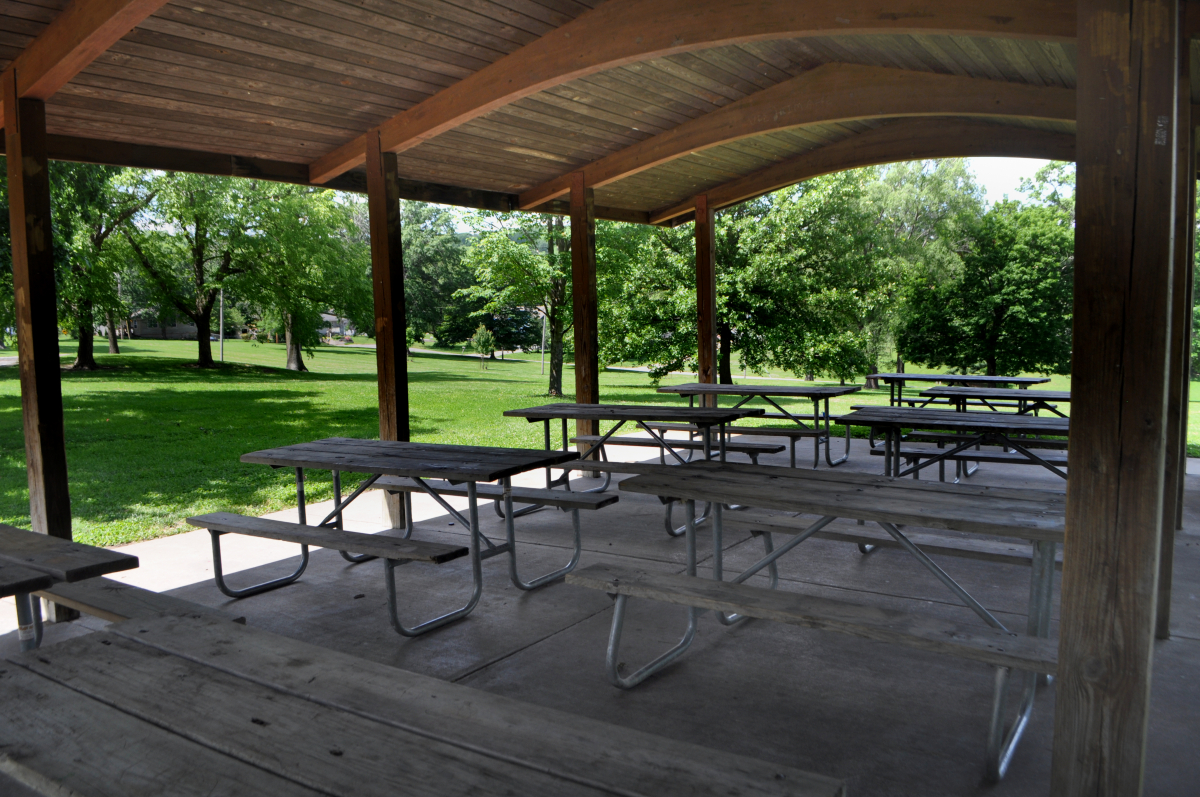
(900, 140)
(829, 93)
(626, 31)
(584, 302)
(36, 311)
(1124, 234)
(80, 33)
(706, 294)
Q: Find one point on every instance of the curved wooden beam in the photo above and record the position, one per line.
(75, 38)
(625, 31)
(902, 140)
(829, 93)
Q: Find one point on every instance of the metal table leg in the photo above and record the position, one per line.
(510, 530)
(266, 586)
(29, 620)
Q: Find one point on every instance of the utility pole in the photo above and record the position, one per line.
(221, 324)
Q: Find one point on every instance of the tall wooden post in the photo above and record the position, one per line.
(37, 311)
(1125, 155)
(583, 293)
(391, 324)
(706, 294)
(1181, 312)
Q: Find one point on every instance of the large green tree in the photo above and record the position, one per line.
(1008, 309)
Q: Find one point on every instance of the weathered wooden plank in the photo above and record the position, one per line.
(585, 310)
(631, 412)
(736, 447)
(976, 455)
(962, 379)
(999, 393)
(62, 559)
(902, 501)
(934, 544)
(57, 742)
(15, 579)
(978, 643)
(742, 389)
(115, 601)
(706, 295)
(923, 418)
(378, 545)
(520, 495)
(1125, 149)
(573, 748)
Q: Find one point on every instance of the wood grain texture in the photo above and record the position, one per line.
(732, 446)
(831, 92)
(978, 643)
(378, 545)
(706, 294)
(923, 418)
(585, 307)
(998, 393)
(1125, 159)
(629, 31)
(62, 559)
(116, 601)
(15, 579)
(576, 751)
(1023, 514)
(36, 311)
(743, 389)
(520, 495)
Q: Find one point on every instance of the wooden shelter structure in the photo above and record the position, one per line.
(661, 112)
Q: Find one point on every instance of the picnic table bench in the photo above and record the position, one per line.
(1033, 516)
(119, 712)
(1024, 401)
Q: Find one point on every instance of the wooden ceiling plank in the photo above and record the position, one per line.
(908, 139)
(828, 93)
(623, 31)
(72, 40)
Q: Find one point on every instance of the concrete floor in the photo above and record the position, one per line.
(888, 720)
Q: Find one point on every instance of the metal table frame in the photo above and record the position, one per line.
(892, 458)
(895, 382)
(1025, 406)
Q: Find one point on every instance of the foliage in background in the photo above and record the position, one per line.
(483, 343)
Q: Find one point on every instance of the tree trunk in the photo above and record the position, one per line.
(899, 364)
(724, 366)
(556, 355)
(203, 321)
(295, 357)
(111, 328)
(991, 366)
(85, 358)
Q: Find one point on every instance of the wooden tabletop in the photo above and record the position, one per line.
(62, 560)
(201, 706)
(1021, 513)
(453, 463)
(974, 379)
(15, 579)
(798, 391)
(700, 416)
(922, 418)
(1013, 393)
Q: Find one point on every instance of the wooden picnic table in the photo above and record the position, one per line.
(1036, 516)
(418, 462)
(768, 393)
(976, 428)
(1024, 400)
(198, 706)
(30, 562)
(896, 382)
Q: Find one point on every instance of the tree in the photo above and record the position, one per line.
(193, 237)
(1053, 185)
(1008, 310)
(484, 343)
(513, 271)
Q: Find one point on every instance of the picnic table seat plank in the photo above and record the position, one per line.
(1009, 393)
(116, 601)
(56, 743)
(933, 544)
(575, 748)
(621, 412)
(379, 545)
(922, 436)
(1024, 514)
(61, 559)
(520, 495)
(19, 580)
(915, 417)
(978, 643)
(974, 455)
(761, 431)
(693, 445)
(454, 463)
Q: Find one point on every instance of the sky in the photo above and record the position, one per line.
(1000, 176)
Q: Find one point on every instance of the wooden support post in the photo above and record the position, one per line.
(706, 294)
(37, 311)
(1181, 327)
(583, 293)
(391, 325)
(1188, 304)
(1124, 260)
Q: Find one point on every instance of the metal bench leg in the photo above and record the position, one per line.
(389, 568)
(510, 530)
(337, 502)
(266, 586)
(718, 562)
(678, 532)
(29, 620)
(1001, 745)
(613, 655)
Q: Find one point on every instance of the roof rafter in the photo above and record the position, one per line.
(75, 38)
(900, 140)
(626, 31)
(830, 93)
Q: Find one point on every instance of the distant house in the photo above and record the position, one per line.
(149, 328)
(332, 325)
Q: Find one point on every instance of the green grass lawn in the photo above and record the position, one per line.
(152, 439)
